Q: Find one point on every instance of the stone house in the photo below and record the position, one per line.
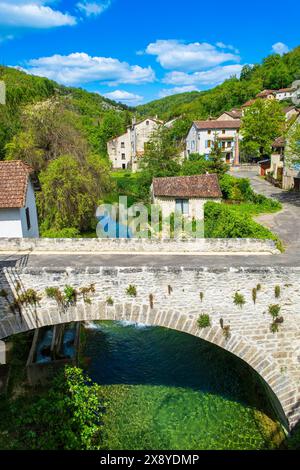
(18, 214)
(125, 150)
(285, 93)
(226, 130)
(186, 195)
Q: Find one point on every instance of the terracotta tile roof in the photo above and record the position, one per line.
(13, 183)
(282, 90)
(218, 125)
(201, 186)
(290, 108)
(235, 113)
(265, 93)
(248, 103)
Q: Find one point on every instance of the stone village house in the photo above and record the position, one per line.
(288, 176)
(186, 195)
(125, 150)
(18, 214)
(225, 129)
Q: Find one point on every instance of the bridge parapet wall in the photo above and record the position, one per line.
(114, 245)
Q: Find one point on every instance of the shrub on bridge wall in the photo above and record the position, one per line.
(254, 295)
(274, 310)
(131, 291)
(203, 321)
(277, 292)
(239, 300)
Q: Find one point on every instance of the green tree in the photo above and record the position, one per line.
(112, 125)
(70, 192)
(216, 159)
(67, 417)
(49, 130)
(161, 156)
(24, 147)
(195, 165)
(262, 122)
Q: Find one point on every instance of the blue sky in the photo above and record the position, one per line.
(135, 50)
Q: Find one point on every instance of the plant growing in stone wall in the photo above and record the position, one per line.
(86, 291)
(225, 329)
(258, 287)
(109, 301)
(70, 294)
(203, 321)
(55, 293)
(274, 311)
(239, 300)
(277, 292)
(226, 332)
(254, 295)
(131, 291)
(29, 297)
(201, 296)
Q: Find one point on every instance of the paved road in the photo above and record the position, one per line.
(285, 223)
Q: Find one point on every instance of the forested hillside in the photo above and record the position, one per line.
(99, 118)
(274, 72)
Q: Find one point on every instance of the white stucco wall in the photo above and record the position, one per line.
(31, 205)
(196, 141)
(13, 222)
(284, 95)
(115, 150)
(10, 223)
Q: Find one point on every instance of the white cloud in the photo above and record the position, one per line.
(221, 45)
(32, 14)
(174, 91)
(78, 68)
(213, 76)
(7, 37)
(176, 55)
(93, 8)
(280, 48)
(124, 97)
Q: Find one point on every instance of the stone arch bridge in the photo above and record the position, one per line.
(174, 297)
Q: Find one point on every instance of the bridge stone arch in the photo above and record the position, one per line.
(171, 298)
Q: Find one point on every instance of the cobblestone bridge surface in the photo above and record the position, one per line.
(171, 297)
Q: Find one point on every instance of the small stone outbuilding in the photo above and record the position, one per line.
(186, 195)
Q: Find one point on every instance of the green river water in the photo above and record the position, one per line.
(169, 390)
